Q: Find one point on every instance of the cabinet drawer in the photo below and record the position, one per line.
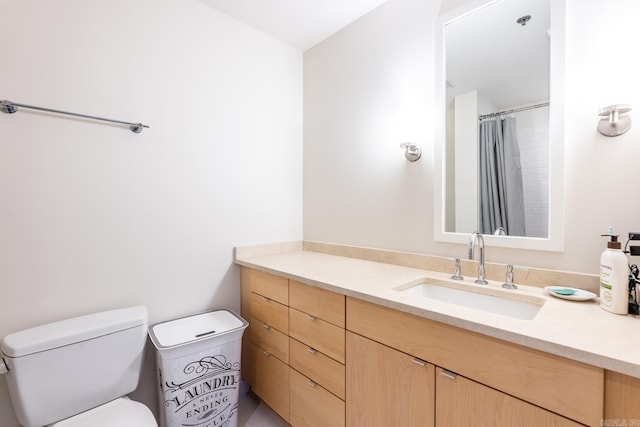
(269, 285)
(271, 381)
(270, 339)
(270, 312)
(564, 386)
(312, 405)
(322, 369)
(323, 304)
(316, 333)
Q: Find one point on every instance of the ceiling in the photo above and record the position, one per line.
(475, 44)
(299, 23)
(507, 63)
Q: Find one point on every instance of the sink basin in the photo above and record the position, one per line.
(517, 306)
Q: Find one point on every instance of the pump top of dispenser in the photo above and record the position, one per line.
(613, 239)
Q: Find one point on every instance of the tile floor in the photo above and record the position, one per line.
(253, 413)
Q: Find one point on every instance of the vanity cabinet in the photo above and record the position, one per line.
(318, 358)
(294, 349)
(265, 355)
(317, 346)
(566, 389)
(386, 387)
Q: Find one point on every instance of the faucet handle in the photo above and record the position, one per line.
(456, 271)
(509, 279)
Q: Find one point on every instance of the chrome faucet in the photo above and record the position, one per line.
(456, 271)
(509, 279)
(476, 236)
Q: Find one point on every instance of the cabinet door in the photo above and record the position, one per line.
(386, 387)
(271, 382)
(621, 399)
(463, 402)
(564, 386)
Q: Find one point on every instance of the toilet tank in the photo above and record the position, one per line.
(63, 368)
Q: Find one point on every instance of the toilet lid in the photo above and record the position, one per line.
(121, 412)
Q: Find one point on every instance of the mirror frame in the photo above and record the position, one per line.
(555, 240)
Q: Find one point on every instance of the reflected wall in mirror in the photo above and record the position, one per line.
(497, 76)
(500, 104)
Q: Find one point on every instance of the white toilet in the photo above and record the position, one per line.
(77, 372)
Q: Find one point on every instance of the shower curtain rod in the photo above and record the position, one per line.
(11, 107)
(515, 110)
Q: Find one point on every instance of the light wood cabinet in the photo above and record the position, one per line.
(269, 285)
(265, 355)
(314, 364)
(566, 387)
(270, 312)
(318, 302)
(294, 349)
(317, 333)
(271, 381)
(317, 347)
(270, 339)
(462, 402)
(312, 405)
(621, 399)
(386, 387)
(320, 359)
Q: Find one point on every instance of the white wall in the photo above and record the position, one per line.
(96, 217)
(466, 161)
(366, 90)
(370, 87)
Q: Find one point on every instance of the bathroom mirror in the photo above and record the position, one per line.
(499, 116)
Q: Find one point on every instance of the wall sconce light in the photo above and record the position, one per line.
(412, 151)
(614, 121)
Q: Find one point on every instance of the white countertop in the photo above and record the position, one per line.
(578, 330)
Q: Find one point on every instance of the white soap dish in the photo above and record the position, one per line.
(567, 293)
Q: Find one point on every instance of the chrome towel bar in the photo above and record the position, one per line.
(12, 107)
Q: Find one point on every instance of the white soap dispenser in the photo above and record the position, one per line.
(614, 277)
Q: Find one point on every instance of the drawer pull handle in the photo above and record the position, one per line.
(265, 299)
(448, 374)
(266, 353)
(311, 383)
(310, 317)
(312, 350)
(419, 362)
(264, 325)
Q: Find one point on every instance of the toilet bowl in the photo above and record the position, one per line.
(77, 372)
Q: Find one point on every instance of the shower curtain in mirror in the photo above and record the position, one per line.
(501, 196)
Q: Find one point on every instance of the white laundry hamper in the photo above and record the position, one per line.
(198, 361)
